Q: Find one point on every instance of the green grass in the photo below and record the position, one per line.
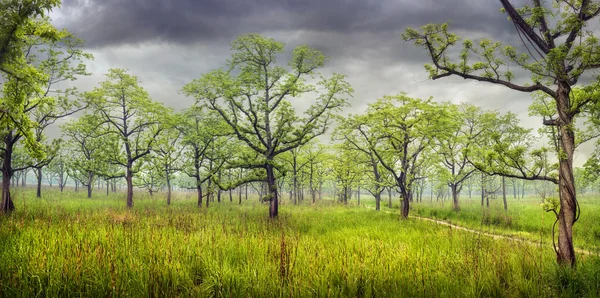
(525, 219)
(66, 245)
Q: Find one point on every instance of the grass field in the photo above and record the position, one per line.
(66, 245)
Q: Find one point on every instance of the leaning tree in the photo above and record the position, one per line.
(558, 49)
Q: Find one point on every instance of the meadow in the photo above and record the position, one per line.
(65, 245)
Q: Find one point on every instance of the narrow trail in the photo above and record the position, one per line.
(493, 236)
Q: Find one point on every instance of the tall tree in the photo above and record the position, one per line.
(24, 27)
(252, 97)
(559, 50)
(130, 116)
(401, 130)
(61, 61)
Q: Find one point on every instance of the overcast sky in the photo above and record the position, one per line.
(169, 43)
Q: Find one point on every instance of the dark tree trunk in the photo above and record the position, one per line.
(240, 195)
(378, 201)
(38, 193)
(7, 205)
(455, 204)
(107, 187)
(272, 192)
(199, 192)
(129, 179)
(168, 190)
(405, 204)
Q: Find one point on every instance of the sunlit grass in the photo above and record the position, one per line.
(68, 245)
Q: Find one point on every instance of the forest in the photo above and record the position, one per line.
(266, 186)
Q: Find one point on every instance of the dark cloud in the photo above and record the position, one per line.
(113, 22)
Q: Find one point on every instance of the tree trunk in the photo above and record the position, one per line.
(482, 188)
(515, 186)
(390, 197)
(209, 192)
(7, 204)
(358, 196)
(566, 182)
(199, 192)
(295, 190)
(168, 190)
(431, 192)
(272, 189)
(240, 195)
(38, 193)
(504, 193)
(129, 179)
(320, 191)
(378, 201)
(455, 204)
(107, 187)
(405, 204)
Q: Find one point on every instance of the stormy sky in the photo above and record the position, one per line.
(169, 43)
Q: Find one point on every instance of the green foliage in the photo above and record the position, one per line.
(252, 96)
(551, 204)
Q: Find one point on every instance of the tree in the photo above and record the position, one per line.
(23, 25)
(345, 170)
(314, 153)
(467, 124)
(62, 62)
(349, 130)
(88, 147)
(130, 116)
(166, 155)
(560, 50)
(296, 162)
(204, 134)
(400, 130)
(60, 166)
(252, 99)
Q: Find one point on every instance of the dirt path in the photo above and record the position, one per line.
(493, 236)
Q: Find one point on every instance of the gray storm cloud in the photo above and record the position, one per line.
(169, 43)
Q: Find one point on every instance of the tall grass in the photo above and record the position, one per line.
(67, 246)
(525, 218)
